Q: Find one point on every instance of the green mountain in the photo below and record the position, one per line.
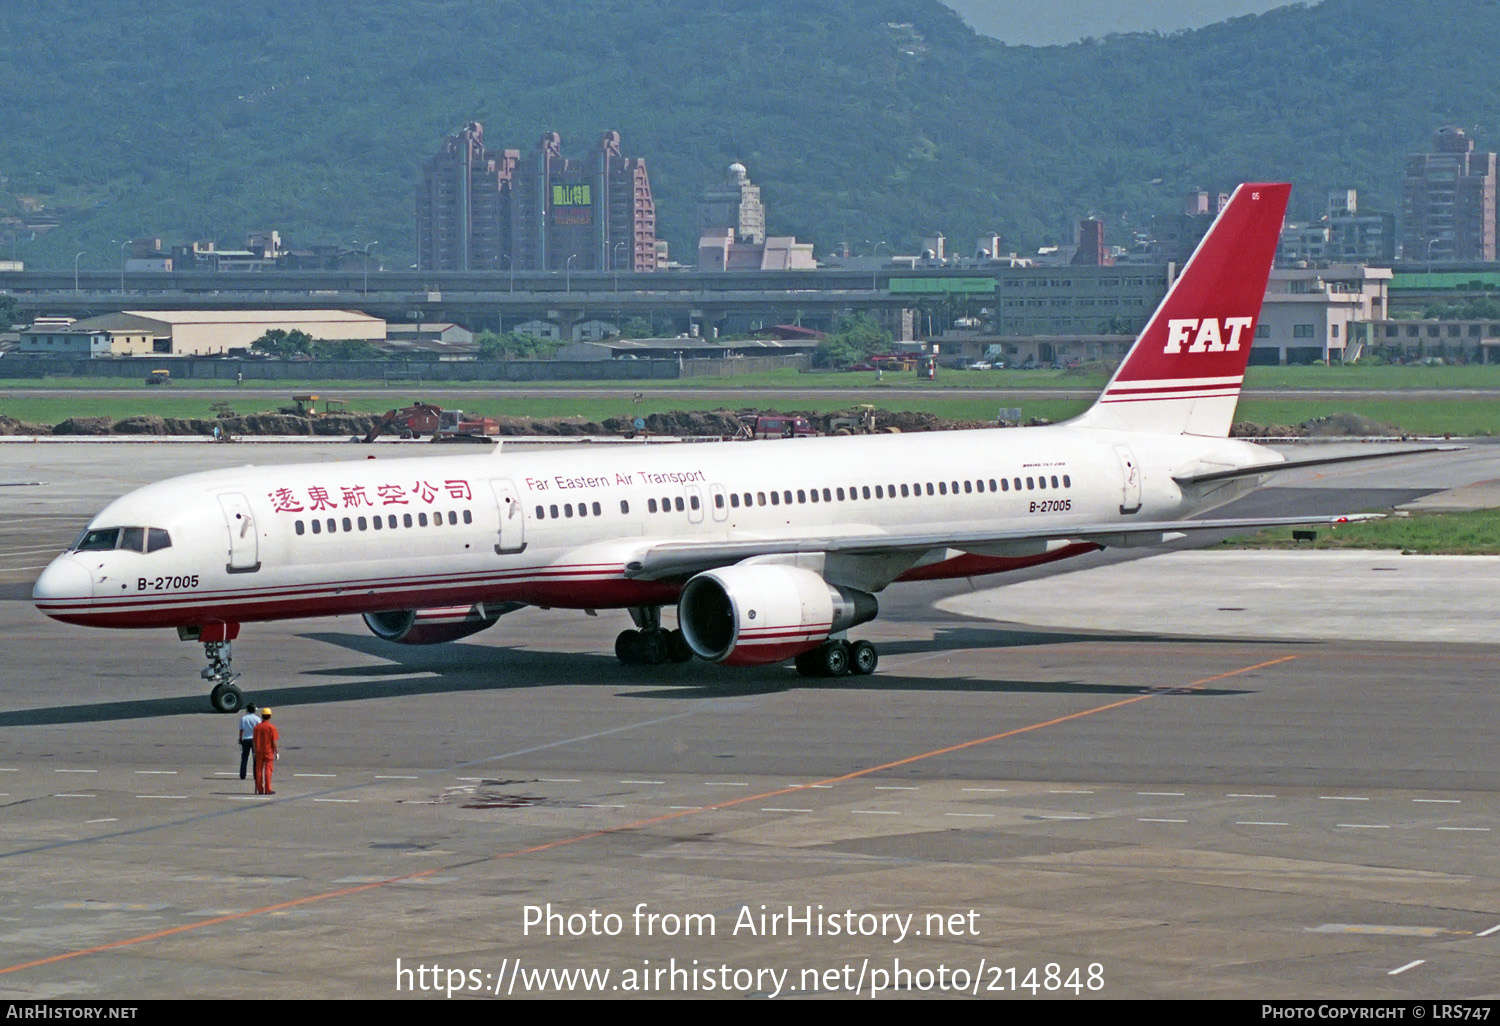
(863, 120)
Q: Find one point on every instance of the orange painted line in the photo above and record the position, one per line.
(637, 824)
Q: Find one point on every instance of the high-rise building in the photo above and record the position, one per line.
(595, 214)
(481, 209)
(462, 203)
(733, 204)
(1448, 201)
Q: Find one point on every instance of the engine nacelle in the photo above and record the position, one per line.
(758, 613)
(434, 626)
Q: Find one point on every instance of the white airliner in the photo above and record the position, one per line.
(770, 550)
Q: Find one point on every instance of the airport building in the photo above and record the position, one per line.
(488, 210)
(191, 332)
(1321, 315)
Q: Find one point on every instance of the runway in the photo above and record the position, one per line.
(1108, 806)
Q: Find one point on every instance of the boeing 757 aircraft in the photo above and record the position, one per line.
(771, 551)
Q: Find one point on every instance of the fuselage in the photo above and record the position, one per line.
(560, 527)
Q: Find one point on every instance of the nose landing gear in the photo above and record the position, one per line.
(216, 638)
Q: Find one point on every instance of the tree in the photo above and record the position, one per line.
(856, 339)
(515, 346)
(284, 344)
(344, 349)
(9, 309)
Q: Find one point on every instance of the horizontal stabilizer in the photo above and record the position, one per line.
(1320, 461)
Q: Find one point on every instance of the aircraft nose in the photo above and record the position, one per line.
(65, 578)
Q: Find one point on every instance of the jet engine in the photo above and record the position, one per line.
(434, 626)
(758, 613)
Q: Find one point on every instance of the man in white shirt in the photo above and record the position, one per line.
(248, 723)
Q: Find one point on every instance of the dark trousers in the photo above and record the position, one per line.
(246, 747)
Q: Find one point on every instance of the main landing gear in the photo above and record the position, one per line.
(651, 644)
(838, 658)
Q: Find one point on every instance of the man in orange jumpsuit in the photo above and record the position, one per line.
(267, 751)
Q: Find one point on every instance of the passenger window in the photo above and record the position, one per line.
(812, 493)
(802, 496)
(693, 499)
(157, 539)
(760, 498)
(787, 495)
(1004, 484)
(348, 524)
(879, 492)
(734, 499)
(391, 522)
(776, 498)
(942, 487)
(552, 511)
(300, 528)
(905, 492)
(624, 506)
(955, 487)
(866, 491)
(841, 495)
(992, 485)
(422, 519)
(968, 487)
(678, 503)
(1041, 482)
(929, 488)
(317, 526)
(1054, 480)
(1030, 484)
(333, 525)
(1067, 481)
(1018, 484)
(598, 512)
(748, 501)
(568, 510)
(718, 502)
(364, 525)
(375, 522)
(406, 517)
(651, 505)
(827, 495)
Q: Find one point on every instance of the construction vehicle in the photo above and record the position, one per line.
(307, 406)
(159, 377)
(860, 420)
(775, 426)
(425, 419)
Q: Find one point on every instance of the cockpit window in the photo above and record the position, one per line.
(126, 539)
(98, 541)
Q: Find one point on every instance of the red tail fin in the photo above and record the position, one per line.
(1183, 374)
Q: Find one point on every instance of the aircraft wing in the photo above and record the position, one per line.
(1191, 478)
(676, 559)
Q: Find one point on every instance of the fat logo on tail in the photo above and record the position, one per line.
(1184, 373)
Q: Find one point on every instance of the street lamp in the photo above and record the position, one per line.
(568, 272)
(614, 261)
(122, 265)
(367, 266)
(875, 255)
(75, 271)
